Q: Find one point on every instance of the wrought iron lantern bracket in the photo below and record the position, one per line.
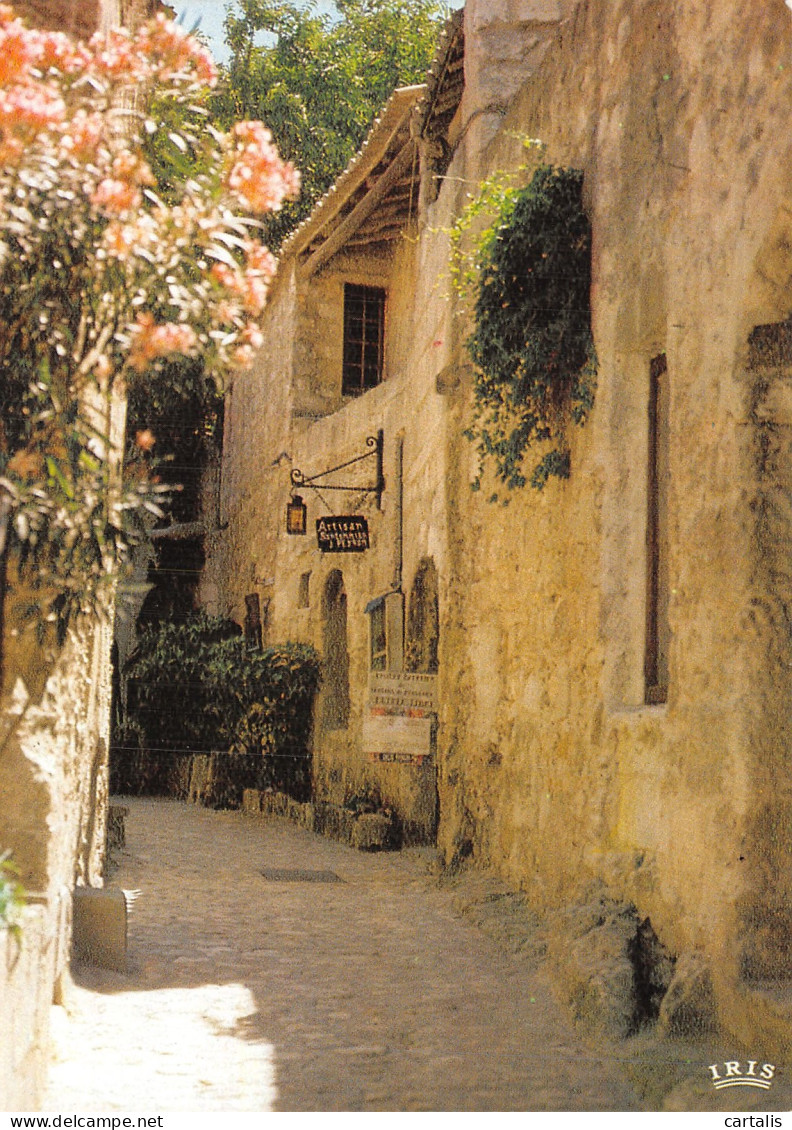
(375, 445)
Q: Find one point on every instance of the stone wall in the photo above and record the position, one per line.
(54, 740)
(81, 18)
(551, 767)
(26, 979)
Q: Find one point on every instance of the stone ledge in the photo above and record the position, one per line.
(99, 932)
(366, 831)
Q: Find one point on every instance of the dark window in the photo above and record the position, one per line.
(252, 627)
(304, 594)
(657, 630)
(364, 331)
(423, 624)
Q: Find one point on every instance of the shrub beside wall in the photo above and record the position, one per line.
(196, 688)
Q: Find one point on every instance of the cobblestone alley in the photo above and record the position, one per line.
(252, 993)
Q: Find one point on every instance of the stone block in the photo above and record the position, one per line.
(251, 802)
(487, 13)
(372, 831)
(688, 1007)
(589, 946)
(99, 927)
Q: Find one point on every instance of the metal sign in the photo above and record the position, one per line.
(400, 724)
(400, 758)
(342, 533)
(403, 692)
(397, 734)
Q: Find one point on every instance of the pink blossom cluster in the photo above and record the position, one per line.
(251, 283)
(151, 341)
(119, 192)
(160, 51)
(24, 49)
(176, 51)
(33, 61)
(256, 174)
(196, 279)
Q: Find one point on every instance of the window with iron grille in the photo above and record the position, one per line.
(364, 332)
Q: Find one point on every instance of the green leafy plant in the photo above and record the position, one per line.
(231, 697)
(531, 342)
(13, 898)
(319, 79)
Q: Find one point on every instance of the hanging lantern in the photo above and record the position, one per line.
(296, 515)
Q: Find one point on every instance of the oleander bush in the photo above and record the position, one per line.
(128, 240)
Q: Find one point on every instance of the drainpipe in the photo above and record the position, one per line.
(394, 601)
(396, 584)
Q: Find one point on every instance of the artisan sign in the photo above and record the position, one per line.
(403, 693)
(342, 533)
(400, 722)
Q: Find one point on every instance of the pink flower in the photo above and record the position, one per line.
(151, 341)
(257, 175)
(120, 239)
(255, 294)
(58, 52)
(175, 52)
(132, 167)
(223, 274)
(115, 196)
(82, 136)
(17, 52)
(242, 356)
(33, 106)
(113, 55)
(253, 336)
(260, 259)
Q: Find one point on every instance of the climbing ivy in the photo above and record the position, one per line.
(12, 897)
(531, 342)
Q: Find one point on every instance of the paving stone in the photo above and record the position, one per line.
(369, 994)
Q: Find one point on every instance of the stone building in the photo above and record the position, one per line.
(608, 659)
(54, 738)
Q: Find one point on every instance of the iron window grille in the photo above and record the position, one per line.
(364, 336)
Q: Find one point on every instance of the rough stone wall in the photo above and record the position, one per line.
(505, 43)
(54, 741)
(551, 768)
(80, 18)
(256, 461)
(282, 406)
(26, 984)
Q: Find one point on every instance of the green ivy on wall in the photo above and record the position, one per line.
(532, 343)
(12, 897)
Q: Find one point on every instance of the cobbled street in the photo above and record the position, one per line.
(250, 993)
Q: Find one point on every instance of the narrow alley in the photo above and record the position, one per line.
(293, 992)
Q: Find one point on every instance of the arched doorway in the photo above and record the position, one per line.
(335, 706)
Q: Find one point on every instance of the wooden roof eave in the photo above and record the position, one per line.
(350, 225)
(383, 142)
